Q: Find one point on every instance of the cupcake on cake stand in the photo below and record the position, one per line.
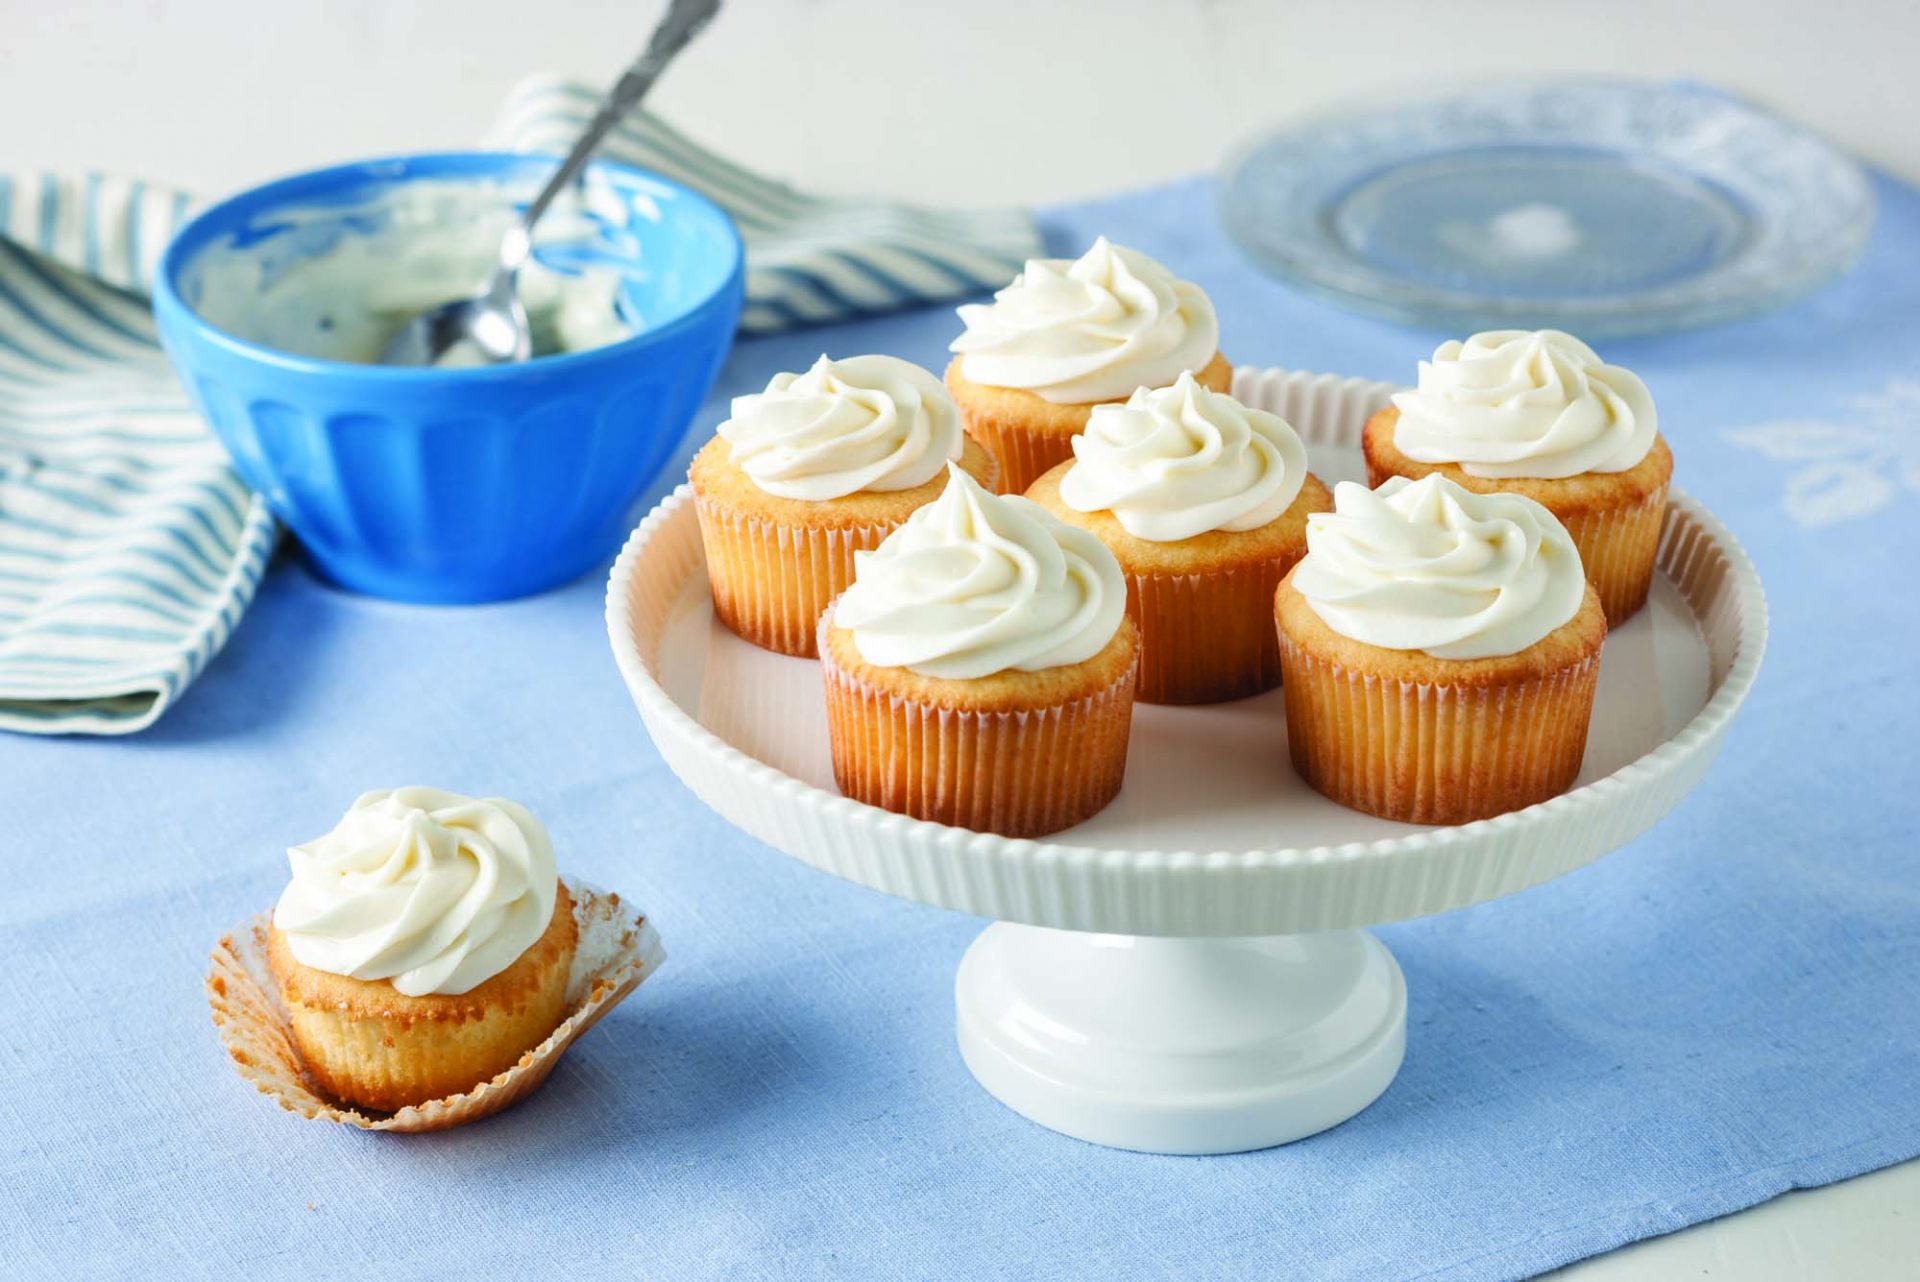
(1187, 972)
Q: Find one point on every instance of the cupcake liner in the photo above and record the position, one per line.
(1435, 753)
(614, 953)
(1024, 453)
(772, 581)
(1617, 548)
(1207, 638)
(1019, 773)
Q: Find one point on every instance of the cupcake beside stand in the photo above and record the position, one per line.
(1185, 971)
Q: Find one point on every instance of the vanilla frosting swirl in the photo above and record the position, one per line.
(862, 423)
(973, 584)
(1430, 565)
(432, 890)
(1088, 329)
(1179, 461)
(1514, 402)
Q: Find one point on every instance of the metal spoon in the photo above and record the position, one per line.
(493, 324)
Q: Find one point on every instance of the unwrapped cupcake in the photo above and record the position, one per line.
(1439, 650)
(422, 946)
(1204, 503)
(1069, 334)
(1536, 412)
(817, 467)
(980, 671)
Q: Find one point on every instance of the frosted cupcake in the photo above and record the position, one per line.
(1069, 334)
(803, 475)
(1439, 650)
(1538, 413)
(422, 946)
(1204, 503)
(980, 670)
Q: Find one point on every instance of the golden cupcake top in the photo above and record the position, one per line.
(976, 583)
(1175, 462)
(433, 891)
(1085, 329)
(1525, 403)
(1429, 565)
(863, 423)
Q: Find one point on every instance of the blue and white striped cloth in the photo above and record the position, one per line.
(129, 549)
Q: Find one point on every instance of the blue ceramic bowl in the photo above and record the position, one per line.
(461, 485)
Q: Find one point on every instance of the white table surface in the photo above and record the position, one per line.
(974, 101)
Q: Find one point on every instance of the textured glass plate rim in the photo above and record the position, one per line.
(1734, 290)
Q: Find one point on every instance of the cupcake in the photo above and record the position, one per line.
(1439, 649)
(422, 946)
(980, 670)
(1204, 503)
(803, 475)
(1537, 413)
(1067, 335)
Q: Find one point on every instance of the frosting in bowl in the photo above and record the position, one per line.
(1532, 403)
(1091, 328)
(1175, 462)
(429, 889)
(863, 423)
(974, 583)
(337, 280)
(1430, 565)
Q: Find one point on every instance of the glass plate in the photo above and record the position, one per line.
(1603, 207)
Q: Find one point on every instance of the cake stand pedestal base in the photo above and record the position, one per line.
(1181, 1045)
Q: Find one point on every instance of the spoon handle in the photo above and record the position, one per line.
(683, 21)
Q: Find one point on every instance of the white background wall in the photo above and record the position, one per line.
(963, 101)
(956, 100)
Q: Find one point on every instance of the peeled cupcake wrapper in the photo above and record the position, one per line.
(1434, 753)
(1020, 773)
(615, 952)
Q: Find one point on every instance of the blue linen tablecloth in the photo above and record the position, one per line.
(1725, 1010)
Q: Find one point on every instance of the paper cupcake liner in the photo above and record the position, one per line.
(1017, 773)
(615, 952)
(1207, 638)
(1617, 548)
(1432, 753)
(771, 581)
(1024, 454)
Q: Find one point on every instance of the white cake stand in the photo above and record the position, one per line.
(1184, 972)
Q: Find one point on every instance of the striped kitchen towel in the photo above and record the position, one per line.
(129, 549)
